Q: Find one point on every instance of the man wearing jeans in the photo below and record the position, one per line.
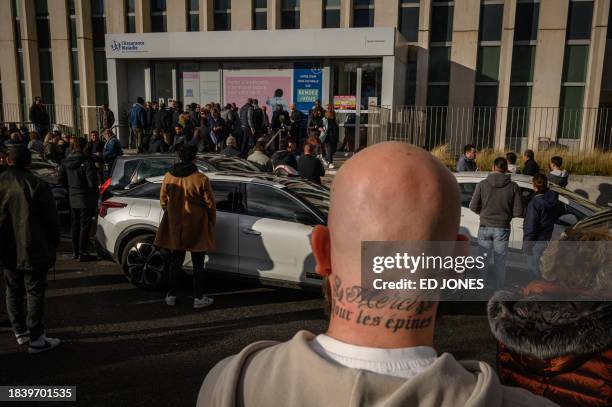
(188, 223)
(30, 232)
(497, 200)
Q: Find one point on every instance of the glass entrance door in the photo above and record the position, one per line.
(164, 81)
(356, 85)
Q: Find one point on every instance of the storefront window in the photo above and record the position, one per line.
(162, 83)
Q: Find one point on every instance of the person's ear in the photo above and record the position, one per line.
(321, 249)
(462, 248)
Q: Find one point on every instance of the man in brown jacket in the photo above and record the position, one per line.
(361, 361)
(188, 223)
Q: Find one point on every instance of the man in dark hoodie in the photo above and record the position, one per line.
(232, 148)
(78, 174)
(497, 200)
(188, 223)
(542, 212)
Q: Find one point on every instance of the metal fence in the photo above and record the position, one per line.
(582, 134)
(74, 120)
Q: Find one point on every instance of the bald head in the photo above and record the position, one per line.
(390, 191)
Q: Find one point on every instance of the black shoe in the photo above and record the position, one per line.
(86, 257)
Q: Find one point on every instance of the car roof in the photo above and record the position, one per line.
(480, 175)
(269, 179)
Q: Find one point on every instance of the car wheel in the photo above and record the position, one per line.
(144, 265)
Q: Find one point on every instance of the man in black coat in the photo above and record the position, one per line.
(309, 166)
(30, 232)
(530, 167)
(284, 155)
(78, 174)
(39, 116)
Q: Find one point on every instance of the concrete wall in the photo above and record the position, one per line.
(311, 14)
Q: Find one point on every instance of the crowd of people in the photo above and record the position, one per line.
(358, 360)
(157, 128)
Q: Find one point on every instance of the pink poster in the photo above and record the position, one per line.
(269, 90)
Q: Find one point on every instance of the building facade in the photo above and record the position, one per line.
(500, 54)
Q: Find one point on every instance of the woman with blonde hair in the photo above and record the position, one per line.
(555, 337)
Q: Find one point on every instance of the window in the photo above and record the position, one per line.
(226, 197)
(152, 168)
(331, 14)
(409, 19)
(521, 75)
(44, 51)
(193, 15)
(148, 191)
(260, 14)
(130, 11)
(575, 60)
(411, 76)
(269, 202)
(222, 17)
(491, 22)
(439, 64)
(526, 21)
(467, 191)
(579, 20)
(487, 71)
(290, 14)
(363, 13)
(158, 16)
(98, 19)
(442, 22)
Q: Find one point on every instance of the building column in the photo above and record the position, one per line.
(311, 14)
(9, 71)
(548, 71)
(118, 95)
(592, 90)
(242, 15)
(464, 56)
(274, 14)
(115, 16)
(85, 55)
(142, 10)
(207, 15)
(505, 70)
(29, 46)
(386, 13)
(346, 13)
(60, 57)
(423, 53)
(176, 16)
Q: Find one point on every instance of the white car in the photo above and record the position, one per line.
(263, 229)
(264, 225)
(575, 206)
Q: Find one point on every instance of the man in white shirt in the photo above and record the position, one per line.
(362, 361)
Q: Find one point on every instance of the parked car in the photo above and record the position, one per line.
(575, 207)
(130, 170)
(263, 229)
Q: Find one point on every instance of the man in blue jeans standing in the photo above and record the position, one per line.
(497, 200)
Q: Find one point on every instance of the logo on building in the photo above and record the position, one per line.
(124, 46)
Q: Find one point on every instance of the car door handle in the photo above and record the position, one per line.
(249, 231)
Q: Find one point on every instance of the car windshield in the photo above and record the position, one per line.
(579, 199)
(316, 195)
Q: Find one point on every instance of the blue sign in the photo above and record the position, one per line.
(307, 82)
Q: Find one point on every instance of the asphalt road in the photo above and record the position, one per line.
(124, 347)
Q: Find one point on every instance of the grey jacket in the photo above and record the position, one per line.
(292, 374)
(497, 200)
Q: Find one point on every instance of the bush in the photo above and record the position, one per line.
(594, 163)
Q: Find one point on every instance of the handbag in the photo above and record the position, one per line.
(323, 135)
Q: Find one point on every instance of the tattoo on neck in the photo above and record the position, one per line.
(373, 308)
